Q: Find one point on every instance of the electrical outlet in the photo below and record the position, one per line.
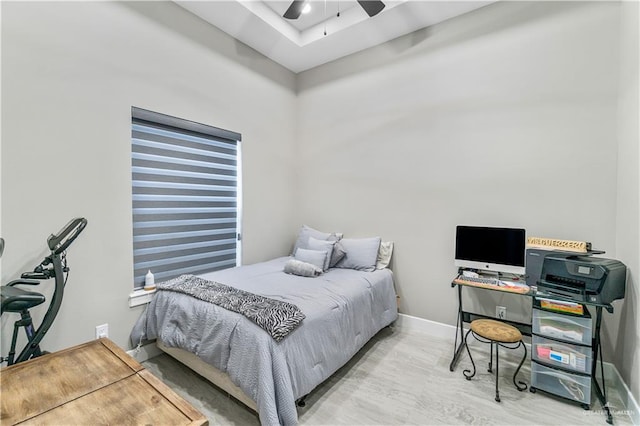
(501, 312)
(102, 331)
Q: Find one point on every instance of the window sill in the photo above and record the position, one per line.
(140, 297)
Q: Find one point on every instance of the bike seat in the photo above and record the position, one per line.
(15, 299)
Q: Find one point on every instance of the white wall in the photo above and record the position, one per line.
(70, 74)
(505, 116)
(379, 143)
(627, 354)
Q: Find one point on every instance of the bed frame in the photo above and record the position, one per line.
(209, 372)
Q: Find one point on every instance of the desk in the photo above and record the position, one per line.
(464, 316)
(92, 383)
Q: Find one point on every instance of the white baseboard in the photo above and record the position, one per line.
(444, 331)
(432, 328)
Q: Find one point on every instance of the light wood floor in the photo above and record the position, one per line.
(403, 377)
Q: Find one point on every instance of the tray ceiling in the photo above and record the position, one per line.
(301, 44)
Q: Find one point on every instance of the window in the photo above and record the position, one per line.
(186, 193)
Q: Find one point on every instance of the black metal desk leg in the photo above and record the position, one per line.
(457, 349)
(597, 350)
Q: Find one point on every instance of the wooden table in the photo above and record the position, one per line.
(92, 383)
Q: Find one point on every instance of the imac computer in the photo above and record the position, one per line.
(491, 249)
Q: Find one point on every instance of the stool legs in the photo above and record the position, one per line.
(466, 372)
(497, 369)
(520, 385)
(491, 357)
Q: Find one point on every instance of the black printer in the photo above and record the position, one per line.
(583, 278)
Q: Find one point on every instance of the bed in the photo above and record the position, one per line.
(343, 309)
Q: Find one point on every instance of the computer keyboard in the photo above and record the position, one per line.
(480, 280)
(494, 283)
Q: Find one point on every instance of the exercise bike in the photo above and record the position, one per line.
(17, 300)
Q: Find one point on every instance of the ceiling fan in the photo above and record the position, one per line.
(372, 7)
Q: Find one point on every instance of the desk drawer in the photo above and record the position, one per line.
(562, 355)
(566, 385)
(560, 326)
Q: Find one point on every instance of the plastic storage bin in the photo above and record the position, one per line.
(564, 355)
(568, 328)
(567, 385)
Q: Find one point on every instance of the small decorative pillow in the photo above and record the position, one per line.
(362, 253)
(322, 245)
(303, 269)
(384, 254)
(314, 257)
(337, 255)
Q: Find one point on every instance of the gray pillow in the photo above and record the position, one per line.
(337, 255)
(303, 269)
(314, 257)
(361, 253)
(322, 245)
(306, 231)
(304, 234)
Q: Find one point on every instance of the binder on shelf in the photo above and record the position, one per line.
(558, 306)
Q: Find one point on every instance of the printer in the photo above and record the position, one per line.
(535, 260)
(583, 278)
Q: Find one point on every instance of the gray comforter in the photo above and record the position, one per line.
(344, 308)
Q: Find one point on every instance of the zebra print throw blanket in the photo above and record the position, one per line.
(274, 316)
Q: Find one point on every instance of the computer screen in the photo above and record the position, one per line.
(491, 249)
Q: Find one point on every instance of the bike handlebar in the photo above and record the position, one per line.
(21, 281)
(60, 241)
(36, 275)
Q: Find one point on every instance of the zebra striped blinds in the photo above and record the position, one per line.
(185, 196)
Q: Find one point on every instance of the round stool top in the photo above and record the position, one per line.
(496, 330)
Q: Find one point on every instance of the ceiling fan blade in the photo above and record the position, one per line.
(372, 7)
(295, 9)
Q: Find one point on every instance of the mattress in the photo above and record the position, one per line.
(343, 309)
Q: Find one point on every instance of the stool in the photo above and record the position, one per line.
(499, 334)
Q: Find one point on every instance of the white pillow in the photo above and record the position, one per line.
(322, 245)
(361, 253)
(314, 257)
(384, 254)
